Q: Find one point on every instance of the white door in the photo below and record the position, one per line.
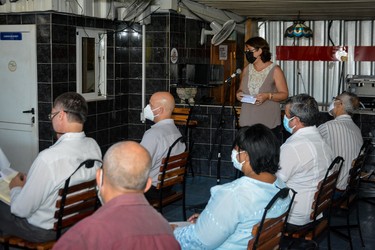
(18, 95)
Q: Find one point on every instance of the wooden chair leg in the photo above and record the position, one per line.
(359, 224)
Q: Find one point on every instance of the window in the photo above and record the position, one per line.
(91, 63)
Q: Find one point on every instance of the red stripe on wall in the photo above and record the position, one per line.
(364, 53)
(307, 53)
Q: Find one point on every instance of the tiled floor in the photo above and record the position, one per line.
(198, 192)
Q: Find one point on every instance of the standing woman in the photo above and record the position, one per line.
(265, 81)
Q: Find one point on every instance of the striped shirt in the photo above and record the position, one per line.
(345, 139)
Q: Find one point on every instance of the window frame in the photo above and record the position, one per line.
(100, 57)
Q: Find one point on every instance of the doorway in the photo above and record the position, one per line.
(18, 95)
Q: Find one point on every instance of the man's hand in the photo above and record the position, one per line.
(193, 218)
(18, 181)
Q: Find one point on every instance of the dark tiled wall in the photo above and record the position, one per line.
(208, 136)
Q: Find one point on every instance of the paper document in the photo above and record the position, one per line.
(248, 99)
(4, 163)
(6, 175)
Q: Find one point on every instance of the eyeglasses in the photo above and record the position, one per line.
(52, 115)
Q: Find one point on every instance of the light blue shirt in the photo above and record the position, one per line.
(231, 213)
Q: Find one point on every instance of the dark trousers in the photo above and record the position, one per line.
(20, 227)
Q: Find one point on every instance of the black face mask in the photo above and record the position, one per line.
(250, 57)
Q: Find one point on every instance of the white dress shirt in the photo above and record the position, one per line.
(345, 139)
(304, 160)
(36, 201)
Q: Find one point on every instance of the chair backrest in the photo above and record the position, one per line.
(326, 187)
(172, 173)
(173, 168)
(75, 202)
(268, 232)
(237, 113)
(182, 117)
(357, 167)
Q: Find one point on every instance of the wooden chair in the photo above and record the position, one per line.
(74, 204)
(183, 117)
(367, 184)
(172, 174)
(349, 200)
(321, 205)
(268, 232)
(237, 113)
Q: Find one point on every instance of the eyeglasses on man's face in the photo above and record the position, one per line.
(52, 115)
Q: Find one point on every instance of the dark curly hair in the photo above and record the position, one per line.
(261, 145)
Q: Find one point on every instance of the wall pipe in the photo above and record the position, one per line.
(143, 71)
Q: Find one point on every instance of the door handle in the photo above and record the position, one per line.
(32, 111)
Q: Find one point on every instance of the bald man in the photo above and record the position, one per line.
(161, 135)
(126, 220)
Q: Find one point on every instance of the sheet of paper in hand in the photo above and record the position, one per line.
(248, 99)
(6, 175)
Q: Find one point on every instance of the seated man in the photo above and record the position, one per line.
(304, 157)
(161, 135)
(342, 134)
(33, 197)
(126, 220)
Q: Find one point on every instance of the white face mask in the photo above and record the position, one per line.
(238, 165)
(100, 186)
(331, 107)
(148, 112)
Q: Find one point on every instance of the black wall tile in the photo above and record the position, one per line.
(43, 34)
(28, 19)
(43, 53)
(14, 19)
(44, 72)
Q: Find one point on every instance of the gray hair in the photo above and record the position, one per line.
(305, 108)
(350, 101)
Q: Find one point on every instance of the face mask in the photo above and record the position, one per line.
(148, 112)
(330, 108)
(100, 186)
(286, 124)
(250, 57)
(238, 165)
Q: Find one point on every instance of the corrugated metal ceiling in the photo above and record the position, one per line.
(289, 9)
